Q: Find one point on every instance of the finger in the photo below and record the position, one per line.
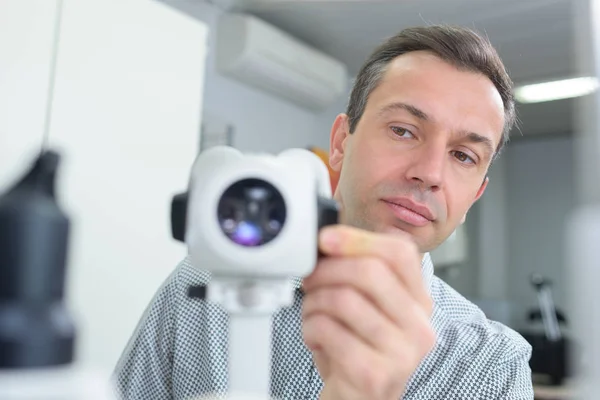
(354, 311)
(374, 279)
(347, 355)
(398, 251)
(378, 285)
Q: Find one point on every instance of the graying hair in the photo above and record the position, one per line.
(461, 47)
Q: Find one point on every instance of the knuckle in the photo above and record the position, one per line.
(405, 356)
(315, 327)
(325, 298)
(425, 338)
(310, 304)
(377, 331)
(308, 333)
(371, 379)
(408, 353)
(344, 299)
(428, 306)
(429, 338)
(414, 356)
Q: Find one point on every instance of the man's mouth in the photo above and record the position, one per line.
(408, 211)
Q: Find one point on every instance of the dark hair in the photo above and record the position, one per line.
(461, 47)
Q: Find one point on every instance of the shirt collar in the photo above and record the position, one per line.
(427, 271)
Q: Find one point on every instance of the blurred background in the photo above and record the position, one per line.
(141, 86)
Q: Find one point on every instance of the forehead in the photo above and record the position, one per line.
(458, 99)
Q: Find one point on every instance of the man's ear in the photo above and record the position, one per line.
(482, 188)
(337, 144)
(477, 196)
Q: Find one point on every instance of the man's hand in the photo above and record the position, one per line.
(366, 314)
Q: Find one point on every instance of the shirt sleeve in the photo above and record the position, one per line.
(511, 378)
(144, 370)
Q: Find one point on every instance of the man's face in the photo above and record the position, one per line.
(419, 156)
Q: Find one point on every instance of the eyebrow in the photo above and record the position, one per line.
(416, 112)
(477, 138)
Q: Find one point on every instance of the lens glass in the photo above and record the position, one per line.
(251, 212)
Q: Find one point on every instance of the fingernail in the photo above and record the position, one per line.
(330, 239)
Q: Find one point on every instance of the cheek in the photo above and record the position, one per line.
(460, 196)
(370, 166)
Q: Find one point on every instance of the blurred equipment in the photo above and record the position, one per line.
(37, 333)
(258, 54)
(547, 310)
(35, 328)
(252, 221)
(549, 349)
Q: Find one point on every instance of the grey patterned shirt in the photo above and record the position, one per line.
(179, 349)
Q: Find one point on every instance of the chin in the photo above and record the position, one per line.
(392, 229)
(422, 240)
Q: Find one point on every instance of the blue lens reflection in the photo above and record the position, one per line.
(247, 234)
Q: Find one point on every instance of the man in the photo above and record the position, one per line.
(430, 110)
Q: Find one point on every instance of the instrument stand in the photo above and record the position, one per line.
(250, 304)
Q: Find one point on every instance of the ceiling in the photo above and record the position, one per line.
(535, 38)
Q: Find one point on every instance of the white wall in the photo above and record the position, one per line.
(126, 118)
(129, 87)
(25, 52)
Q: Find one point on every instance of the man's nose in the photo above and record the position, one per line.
(427, 168)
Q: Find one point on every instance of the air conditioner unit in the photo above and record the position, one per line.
(258, 54)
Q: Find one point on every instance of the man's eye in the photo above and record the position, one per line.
(402, 132)
(463, 157)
